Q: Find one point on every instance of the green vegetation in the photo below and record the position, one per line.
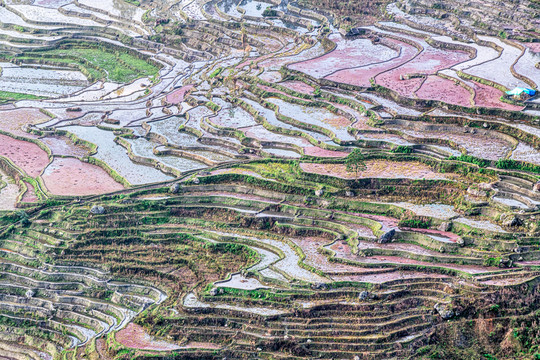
(471, 159)
(516, 165)
(285, 172)
(492, 261)
(216, 72)
(179, 29)
(415, 223)
(212, 106)
(269, 12)
(23, 218)
(401, 149)
(355, 162)
(274, 249)
(97, 62)
(6, 96)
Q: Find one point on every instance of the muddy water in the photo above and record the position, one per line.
(8, 193)
(144, 148)
(116, 156)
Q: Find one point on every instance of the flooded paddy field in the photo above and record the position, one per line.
(68, 176)
(265, 179)
(116, 156)
(377, 169)
(347, 54)
(26, 155)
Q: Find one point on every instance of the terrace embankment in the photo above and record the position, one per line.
(216, 180)
(315, 260)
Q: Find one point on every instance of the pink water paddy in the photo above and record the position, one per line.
(178, 95)
(26, 155)
(360, 76)
(70, 176)
(487, 96)
(347, 54)
(317, 151)
(429, 61)
(535, 47)
(299, 86)
(30, 194)
(438, 88)
(13, 120)
(62, 145)
(376, 169)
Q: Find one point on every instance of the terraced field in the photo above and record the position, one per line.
(267, 180)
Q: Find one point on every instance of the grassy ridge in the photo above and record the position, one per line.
(98, 63)
(6, 96)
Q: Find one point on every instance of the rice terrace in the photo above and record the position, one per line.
(269, 179)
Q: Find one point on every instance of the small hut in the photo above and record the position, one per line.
(521, 94)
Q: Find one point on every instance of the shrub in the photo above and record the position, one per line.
(423, 350)
(23, 218)
(355, 162)
(179, 30)
(269, 12)
(470, 159)
(216, 72)
(402, 149)
(415, 223)
(491, 261)
(516, 165)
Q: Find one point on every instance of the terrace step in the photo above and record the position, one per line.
(430, 153)
(518, 189)
(516, 200)
(342, 331)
